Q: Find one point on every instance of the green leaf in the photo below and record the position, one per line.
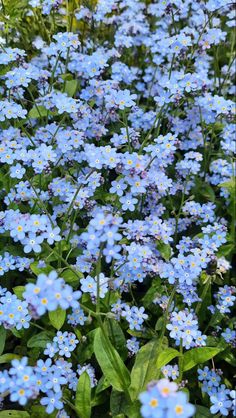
(57, 318)
(71, 87)
(85, 349)
(3, 334)
(70, 277)
(102, 385)
(38, 112)
(119, 416)
(19, 290)
(83, 396)
(229, 185)
(152, 292)
(147, 334)
(229, 357)
(39, 340)
(206, 191)
(144, 369)
(36, 270)
(198, 355)
(110, 362)
(8, 357)
(66, 76)
(117, 337)
(133, 411)
(118, 403)
(14, 414)
(18, 333)
(202, 412)
(159, 323)
(164, 249)
(38, 411)
(98, 399)
(166, 356)
(225, 250)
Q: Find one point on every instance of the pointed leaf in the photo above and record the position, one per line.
(14, 414)
(57, 318)
(202, 412)
(199, 355)
(38, 112)
(164, 249)
(166, 356)
(37, 270)
(117, 337)
(19, 290)
(71, 87)
(3, 334)
(39, 340)
(8, 357)
(110, 362)
(118, 403)
(144, 369)
(83, 396)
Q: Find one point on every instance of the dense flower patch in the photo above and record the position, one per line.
(117, 221)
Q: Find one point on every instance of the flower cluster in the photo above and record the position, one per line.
(133, 315)
(30, 230)
(63, 343)
(163, 400)
(49, 293)
(9, 262)
(225, 299)
(219, 394)
(184, 329)
(13, 311)
(172, 372)
(47, 378)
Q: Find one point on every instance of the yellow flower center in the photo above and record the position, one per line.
(153, 403)
(44, 301)
(179, 409)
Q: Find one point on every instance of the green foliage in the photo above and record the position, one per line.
(202, 412)
(8, 357)
(40, 340)
(38, 112)
(117, 337)
(199, 355)
(71, 87)
(145, 369)
(57, 318)
(166, 356)
(14, 414)
(19, 290)
(3, 334)
(165, 250)
(110, 362)
(83, 396)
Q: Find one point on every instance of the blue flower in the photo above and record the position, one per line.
(52, 401)
(128, 202)
(221, 403)
(178, 406)
(17, 171)
(32, 243)
(52, 235)
(55, 380)
(152, 404)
